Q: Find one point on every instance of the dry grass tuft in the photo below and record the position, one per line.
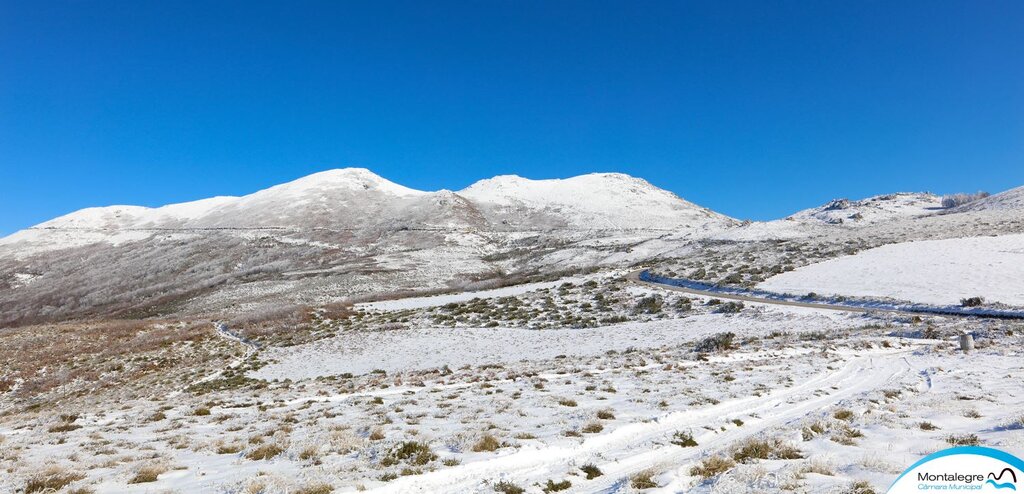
(52, 479)
(487, 443)
(643, 480)
(712, 466)
(265, 452)
(319, 488)
(147, 473)
(765, 449)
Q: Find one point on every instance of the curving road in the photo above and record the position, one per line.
(635, 278)
(912, 309)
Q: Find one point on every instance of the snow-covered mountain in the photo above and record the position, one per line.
(333, 234)
(357, 198)
(594, 201)
(348, 233)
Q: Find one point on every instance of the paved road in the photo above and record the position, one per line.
(635, 278)
(913, 310)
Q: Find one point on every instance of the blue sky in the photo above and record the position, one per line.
(755, 109)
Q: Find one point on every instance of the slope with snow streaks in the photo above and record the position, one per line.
(593, 201)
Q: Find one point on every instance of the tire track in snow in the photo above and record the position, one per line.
(631, 448)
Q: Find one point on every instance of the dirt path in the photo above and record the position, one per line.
(224, 332)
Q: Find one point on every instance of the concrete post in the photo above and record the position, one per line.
(966, 342)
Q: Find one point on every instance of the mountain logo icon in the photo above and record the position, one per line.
(993, 479)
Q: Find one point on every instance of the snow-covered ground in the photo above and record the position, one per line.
(438, 300)
(847, 408)
(933, 271)
(431, 348)
(642, 405)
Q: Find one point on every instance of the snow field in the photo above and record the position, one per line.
(937, 272)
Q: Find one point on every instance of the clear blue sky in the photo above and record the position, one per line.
(755, 109)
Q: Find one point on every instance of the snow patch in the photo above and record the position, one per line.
(930, 271)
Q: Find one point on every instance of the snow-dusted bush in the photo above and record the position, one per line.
(954, 200)
(972, 301)
(715, 343)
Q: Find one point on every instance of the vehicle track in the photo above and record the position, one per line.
(629, 449)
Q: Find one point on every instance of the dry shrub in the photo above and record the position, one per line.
(819, 467)
(344, 441)
(860, 487)
(66, 427)
(316, 488)
(61, 349)
(712, 466)
(264, 452)
(309, 452)
(591, 471)
(229, 448)
(506, 487)
(765, 449)
(147, 473)
(643, 480)
(52, 479)
(412, 452)
(487, 443)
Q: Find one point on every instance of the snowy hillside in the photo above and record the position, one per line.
(594, 201)
(332, 235)
(871, 210)
(350, 233)
(344, 193)
(1010, 200)
(462, 397)
(932, 271)
(357, 198)
(838, 215)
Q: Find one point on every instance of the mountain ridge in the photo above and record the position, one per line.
(349, 233)
(335, 183)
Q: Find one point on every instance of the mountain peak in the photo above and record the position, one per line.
(601, 179)
(595, 200)
(344, 178)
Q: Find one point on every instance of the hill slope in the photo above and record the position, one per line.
(327, 236)
(594, 201)
(1010, 200)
